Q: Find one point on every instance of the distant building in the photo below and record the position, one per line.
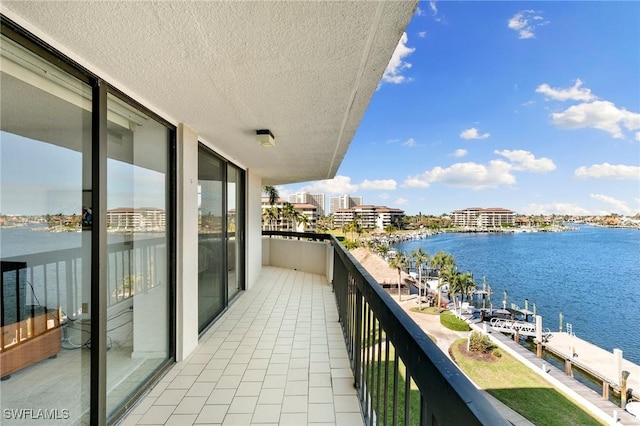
(478, 217)
(343, 202)
(282, 223)
(317, 200)
(369, 216)
(129, 219)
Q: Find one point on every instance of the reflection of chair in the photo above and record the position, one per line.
(28, 333)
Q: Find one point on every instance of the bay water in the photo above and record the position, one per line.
(591, 276)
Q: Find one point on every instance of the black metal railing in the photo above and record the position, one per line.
(401, 376)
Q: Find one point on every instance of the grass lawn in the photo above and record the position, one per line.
(522, 389)
(432, 310)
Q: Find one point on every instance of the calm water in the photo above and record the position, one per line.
(591, 276)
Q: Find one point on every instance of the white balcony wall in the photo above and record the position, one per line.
(253, 258)
(299, 255)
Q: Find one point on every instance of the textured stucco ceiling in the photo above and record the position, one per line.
(304, 70)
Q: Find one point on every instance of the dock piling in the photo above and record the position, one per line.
(605, 390)
(567, 367)
(623, 389)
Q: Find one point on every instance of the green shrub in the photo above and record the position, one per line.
(479, 342)
(453, 323)
(497, 353)
(350, 244)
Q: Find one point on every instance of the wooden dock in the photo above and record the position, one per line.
(596, 361)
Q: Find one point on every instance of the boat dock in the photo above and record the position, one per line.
(596, 361)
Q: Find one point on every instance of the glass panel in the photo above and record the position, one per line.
(45, 241)
(235, 229)
(211, 245)
(138, 321)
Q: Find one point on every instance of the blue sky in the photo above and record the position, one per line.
(530, 106)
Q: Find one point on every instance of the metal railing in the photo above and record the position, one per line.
(401, 376)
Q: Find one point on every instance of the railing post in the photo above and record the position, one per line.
(357, 347)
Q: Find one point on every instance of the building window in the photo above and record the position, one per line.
(45, 237)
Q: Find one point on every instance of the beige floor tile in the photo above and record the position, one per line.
(266, 413)
(271, 396)
(243, 404)
(190, 405)
(294, 404)
(320, 413)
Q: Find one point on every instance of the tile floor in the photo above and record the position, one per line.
(276, 357)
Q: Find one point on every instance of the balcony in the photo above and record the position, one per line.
(315, 340)
(298, 349)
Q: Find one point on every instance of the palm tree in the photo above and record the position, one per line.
(461, 283)
(420, 258)
(289, 213)
(442, 262)
(399, 261)
(272, 193)
(302, 219)
(271, 216)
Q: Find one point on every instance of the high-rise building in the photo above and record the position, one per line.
(344, 202)
(307, 198)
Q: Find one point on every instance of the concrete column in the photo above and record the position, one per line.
(187, 243)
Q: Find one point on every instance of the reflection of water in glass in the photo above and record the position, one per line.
(54, 276)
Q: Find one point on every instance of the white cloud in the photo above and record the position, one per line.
(602, 115)
(337, 185)
(343, 185)
(459, 153)
(401, 201)
(526, 161)
(479, 176)
(575, 93)
(526, 22)
(466, 175)
(422, 34)
(384, 185)
(411, 142)
(554, 208)
(397, 65)
(472, 133)
(638, 136)
(434, 7)
(617, 205)
(608, 171)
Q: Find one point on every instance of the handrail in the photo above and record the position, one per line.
(374, 325)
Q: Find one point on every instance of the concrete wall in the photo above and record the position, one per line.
(307, 256)
(187, 243)
(253, 234)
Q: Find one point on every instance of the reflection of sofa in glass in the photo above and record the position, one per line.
(28, 333)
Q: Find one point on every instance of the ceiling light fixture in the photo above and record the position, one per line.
(265, 137)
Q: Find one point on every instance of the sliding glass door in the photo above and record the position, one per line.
(211, 237)
(220, 234)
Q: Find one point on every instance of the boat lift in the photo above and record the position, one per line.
(523, 328)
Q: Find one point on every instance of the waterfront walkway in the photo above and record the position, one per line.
(593, 359)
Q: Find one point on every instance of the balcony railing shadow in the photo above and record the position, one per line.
(401, 376)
